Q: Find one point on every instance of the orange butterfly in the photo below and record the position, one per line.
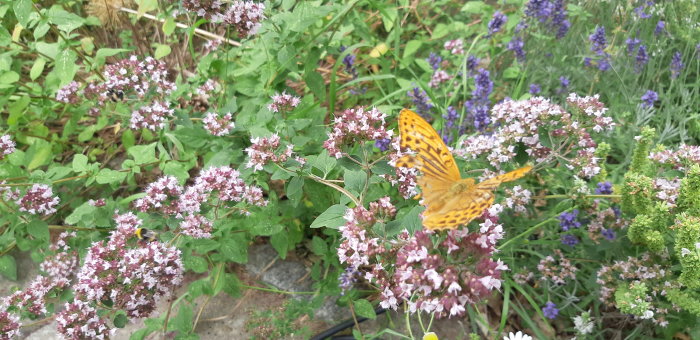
(450, 200)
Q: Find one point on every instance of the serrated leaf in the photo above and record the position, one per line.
(364, 308)
(331, 218)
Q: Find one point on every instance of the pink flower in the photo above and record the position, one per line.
(283, 102)
(455, 46)
(439, 77)
(218, 126)
(151, 117)
(69, 93)
(162, 195)
(265, 150)
(38, 200)
(196, 226)
(245, 16)
(353, 126)
(7, 146)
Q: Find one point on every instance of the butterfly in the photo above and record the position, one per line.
(450, 200)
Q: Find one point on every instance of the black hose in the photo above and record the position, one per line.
(342, 326)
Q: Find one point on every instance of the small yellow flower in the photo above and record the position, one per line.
(430, 336)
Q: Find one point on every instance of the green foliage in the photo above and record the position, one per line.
(689, 193)
(637, 194)
(629, 298)
(687, 238)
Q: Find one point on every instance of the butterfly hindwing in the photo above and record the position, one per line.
(460, 210)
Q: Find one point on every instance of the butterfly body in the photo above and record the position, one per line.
(450, 200)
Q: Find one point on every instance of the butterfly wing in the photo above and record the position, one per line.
(493, 182)
(463, 208)
(459, 210)
(432, 157)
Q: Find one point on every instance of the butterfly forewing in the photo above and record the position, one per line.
(432, 156)
(493, 182)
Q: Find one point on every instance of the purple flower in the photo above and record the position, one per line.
(383, 144)
(604, 188)
(632, 45)
(347, 279)
(640, 11)
(421, 101)
(349, 62)
(535, 89)
(604, 63)
(516, 45)
(496, 22)
(608, 234)
(642, 57)
(676, 65)
(567, 220)
(479, 105)
(451, 117)
(434, 60)
(569, 240)
(660, 27)
(550, 310)
(472, 63)
(597, 39)
(649, 98)
(551, 13)
(564, 82)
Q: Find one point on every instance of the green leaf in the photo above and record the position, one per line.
(440, 31)
(195, 263)
(280, 242)
(65, 65)
(37, 68)
(76, 216)
(23, 9)
(106, 176)
(120, 319)
(65, 21)
(183, 321)
(266, 227)
(474, 7)
(411, 48)
(39, 229)
(355, 180)
(235, 248)
(364, 308)
(295, 190)
(80, 162)
(143, 153)
(8, 267)
(162, 51)
(232, 285)
(9, 77)
(169, 25)
(41, 155)
(315, 82)
(512, 72)
(319, 246)
(324, 162)
(331, 218)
